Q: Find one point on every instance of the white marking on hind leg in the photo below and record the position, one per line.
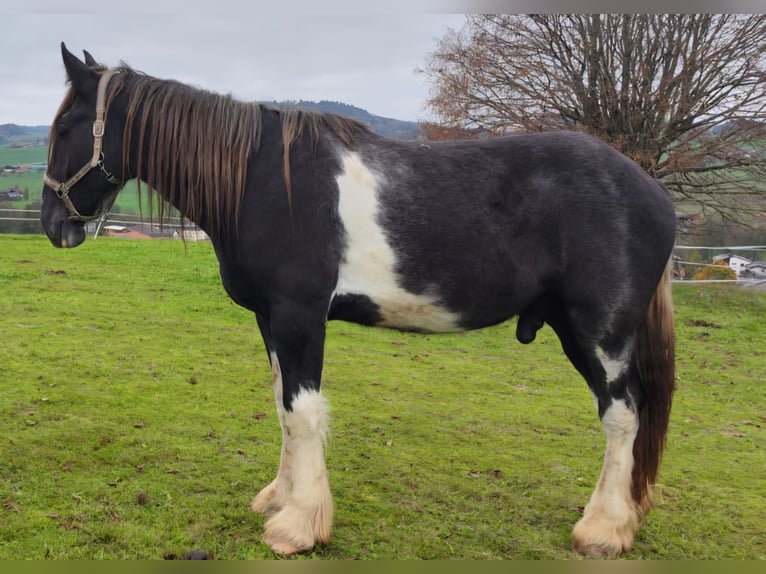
(613, 366)
(305, 518)
(369, 262)
(611, 518)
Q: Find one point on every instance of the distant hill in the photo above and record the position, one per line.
(12, 134)
(387, 127)
(15, 135)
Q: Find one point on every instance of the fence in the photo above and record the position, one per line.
(703, 254)
(24, 217)
(746, 262)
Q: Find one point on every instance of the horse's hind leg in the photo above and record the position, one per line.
(298, 500)
(612, 517)
(613, 514)
(630, 369)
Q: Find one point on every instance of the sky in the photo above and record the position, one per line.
(367, 60)
(359, 52)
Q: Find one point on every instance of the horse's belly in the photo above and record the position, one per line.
(417, 314)
(371, 294)
(410, 312)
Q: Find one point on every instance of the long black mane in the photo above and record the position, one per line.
(198, 143)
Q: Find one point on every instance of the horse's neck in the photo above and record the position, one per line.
(200, 171)
(141, 158)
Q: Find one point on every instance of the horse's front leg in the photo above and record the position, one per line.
(273, 497)
(298, 500)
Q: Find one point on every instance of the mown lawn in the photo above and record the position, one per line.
(137, 421)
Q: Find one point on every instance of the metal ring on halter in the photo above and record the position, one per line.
(109, 176)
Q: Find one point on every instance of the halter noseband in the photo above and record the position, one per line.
(97, 160)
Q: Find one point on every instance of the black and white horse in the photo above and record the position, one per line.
(313, 217)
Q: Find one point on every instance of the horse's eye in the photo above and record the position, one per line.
(62, 126)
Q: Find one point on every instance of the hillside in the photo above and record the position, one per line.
(387, 127)
(14, 135)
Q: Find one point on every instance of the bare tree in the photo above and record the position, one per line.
(683, 95)
(440, 132)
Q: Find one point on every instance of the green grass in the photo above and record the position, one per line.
(19, 156)
(127, 201)
(137, 420)
(32, 181)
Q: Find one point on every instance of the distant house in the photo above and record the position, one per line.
(13, 194)
(736, 263)
(191, 234)
(123, 232)
(131, 231)
(755, 269)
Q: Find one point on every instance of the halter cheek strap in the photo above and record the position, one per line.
(97, 160)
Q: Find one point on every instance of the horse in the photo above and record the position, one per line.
(314, 218)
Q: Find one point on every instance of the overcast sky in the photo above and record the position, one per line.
(367, 60)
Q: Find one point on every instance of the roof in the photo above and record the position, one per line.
(124, 232)
(725, 256)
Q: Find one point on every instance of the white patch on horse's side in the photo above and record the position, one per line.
(306, 516)
(369, 262)
(611, 517)
(613, 367)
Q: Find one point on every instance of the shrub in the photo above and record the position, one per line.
(719, 270)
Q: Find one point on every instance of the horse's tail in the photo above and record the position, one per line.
(655, 362)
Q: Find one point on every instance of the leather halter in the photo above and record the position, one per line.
(97, 160)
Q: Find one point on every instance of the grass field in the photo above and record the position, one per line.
(137, 421)
(21, 156)
(32, 181)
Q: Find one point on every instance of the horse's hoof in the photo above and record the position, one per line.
(282, 547)
(597, 540)
(280, 543)
(601, 549)
(295, 530)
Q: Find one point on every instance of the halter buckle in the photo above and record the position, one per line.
(98, 128)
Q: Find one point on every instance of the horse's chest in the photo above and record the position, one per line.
(369, 262)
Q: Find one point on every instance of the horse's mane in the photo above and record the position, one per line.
(198, 144)
(65, 104)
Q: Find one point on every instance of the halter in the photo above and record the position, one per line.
(97, 160)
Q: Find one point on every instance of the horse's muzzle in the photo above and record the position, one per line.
(62, 231)
(65, 233)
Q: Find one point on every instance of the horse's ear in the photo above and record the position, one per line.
(79, 73)
(89, 60)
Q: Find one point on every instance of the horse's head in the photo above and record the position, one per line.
(78, 185)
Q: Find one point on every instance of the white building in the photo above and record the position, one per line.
(736, 263)
(756, 270)
(194, 234)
